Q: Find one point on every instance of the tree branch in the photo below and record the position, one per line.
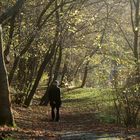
(11, 11)
(122, 33)
(132, 21)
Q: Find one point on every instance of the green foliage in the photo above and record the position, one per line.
(106, 118)
(9, 138)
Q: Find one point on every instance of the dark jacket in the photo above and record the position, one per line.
(54, 96)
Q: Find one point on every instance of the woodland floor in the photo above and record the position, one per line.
(34, 123)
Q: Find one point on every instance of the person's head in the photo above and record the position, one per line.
(56, 83)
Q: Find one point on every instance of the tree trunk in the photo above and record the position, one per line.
(39, 75)
(6, 117)
(63, 74)
(58, 63)
(11, 74)
(85, 75)
(11, 32)
(136, 32)
(44, 99)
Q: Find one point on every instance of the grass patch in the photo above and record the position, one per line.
(9, 139)
(98, 101)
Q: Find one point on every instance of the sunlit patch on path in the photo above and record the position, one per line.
(95, 136)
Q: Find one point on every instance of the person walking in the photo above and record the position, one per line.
(55, 101)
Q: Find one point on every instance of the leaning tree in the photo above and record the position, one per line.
(6, 117)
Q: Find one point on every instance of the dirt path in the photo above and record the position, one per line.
(34, 124)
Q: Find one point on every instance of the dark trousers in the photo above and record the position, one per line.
(55, 113)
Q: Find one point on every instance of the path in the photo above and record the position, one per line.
(33, 124)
